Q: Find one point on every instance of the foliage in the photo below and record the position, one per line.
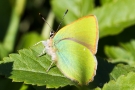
(21, 27)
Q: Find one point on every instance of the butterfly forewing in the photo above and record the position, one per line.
(83, 31)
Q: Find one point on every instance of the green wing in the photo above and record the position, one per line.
(76, 61)
(83, 31)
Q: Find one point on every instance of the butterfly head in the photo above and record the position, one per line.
(52, 33)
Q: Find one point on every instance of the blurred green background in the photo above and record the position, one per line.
(21, 27)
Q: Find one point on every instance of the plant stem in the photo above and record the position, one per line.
(9, 39)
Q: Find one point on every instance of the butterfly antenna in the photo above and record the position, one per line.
(62, 20)
(45, 21)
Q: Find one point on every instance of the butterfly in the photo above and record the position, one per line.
(73, 49)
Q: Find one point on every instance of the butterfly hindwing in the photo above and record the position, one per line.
(75, 61)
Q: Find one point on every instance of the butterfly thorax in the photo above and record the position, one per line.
(49, 48)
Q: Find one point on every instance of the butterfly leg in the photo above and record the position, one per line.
(50, 66)
(43, 52)
(39, 43)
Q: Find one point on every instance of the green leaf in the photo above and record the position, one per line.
(112, 22)
(118, 54)
(129, 47)
(77, 9)
(125, 53)
(124, 82)
(27, 67)
(119, 70)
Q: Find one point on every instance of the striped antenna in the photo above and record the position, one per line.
(45, 21)
(62, 20)
(52, 31)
